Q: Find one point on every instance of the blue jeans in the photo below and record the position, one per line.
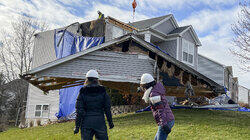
(161, 135)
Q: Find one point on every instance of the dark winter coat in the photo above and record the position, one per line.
(91, 105)
(161, 111)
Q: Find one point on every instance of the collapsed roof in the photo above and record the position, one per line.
(168, 66)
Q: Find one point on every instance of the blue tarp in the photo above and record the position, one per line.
(148, 108)
(243, 109)
(71, 44)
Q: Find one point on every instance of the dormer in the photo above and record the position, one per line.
(155, 29)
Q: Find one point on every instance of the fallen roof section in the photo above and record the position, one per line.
(216, 87)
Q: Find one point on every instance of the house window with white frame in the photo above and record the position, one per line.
(42, 111)
(117, 32)
(187, 52)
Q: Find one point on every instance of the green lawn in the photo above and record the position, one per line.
(190, 124)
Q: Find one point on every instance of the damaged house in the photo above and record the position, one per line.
(121, 52)
(221, 74)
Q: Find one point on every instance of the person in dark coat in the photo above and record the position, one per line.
(154, 93)
(91, 105)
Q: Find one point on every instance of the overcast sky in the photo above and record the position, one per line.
(211, 19)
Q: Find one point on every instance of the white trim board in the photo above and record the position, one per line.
(178, 48)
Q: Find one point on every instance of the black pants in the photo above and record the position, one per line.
(89, 133)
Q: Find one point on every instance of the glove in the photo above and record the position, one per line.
(111, 125)
(76, 130)
(166, 129)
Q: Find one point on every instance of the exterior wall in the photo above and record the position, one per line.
(248, 97)
(195, 58)
(120, 66)
(229, 83)
(44, 50)
(109, 31)
(226, 77)
(43, 53)
(195, 55)
(243, 95)
(234, 91)
(170, 47)
(228, 80)
(211, 69)
(36, 97)
(187, 35)
(165, 27)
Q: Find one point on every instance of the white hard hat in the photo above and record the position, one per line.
(92, 73)
(146, 78)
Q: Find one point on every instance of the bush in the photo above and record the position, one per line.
(116, 98)
(3, 127)
(31, 124)
(39, 123)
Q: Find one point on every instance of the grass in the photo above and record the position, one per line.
(189, 124)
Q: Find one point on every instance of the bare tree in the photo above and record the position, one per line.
(16, 58)
(3, 103)
(16, 51)
(241, 40)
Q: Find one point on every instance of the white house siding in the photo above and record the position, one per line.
(243, 95)
(37, 97)
(110, 33)
(43, 53)
(44, 50)
(170, 47)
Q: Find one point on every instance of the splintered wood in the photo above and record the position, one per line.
(121, 24)
(183, 77)
(169, 70)
(135, 49)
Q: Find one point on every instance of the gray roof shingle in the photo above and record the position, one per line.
(179, 30)
(143, 24)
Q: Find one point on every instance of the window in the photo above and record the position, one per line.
(42, 111)
(187, 52)
(117, 32)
